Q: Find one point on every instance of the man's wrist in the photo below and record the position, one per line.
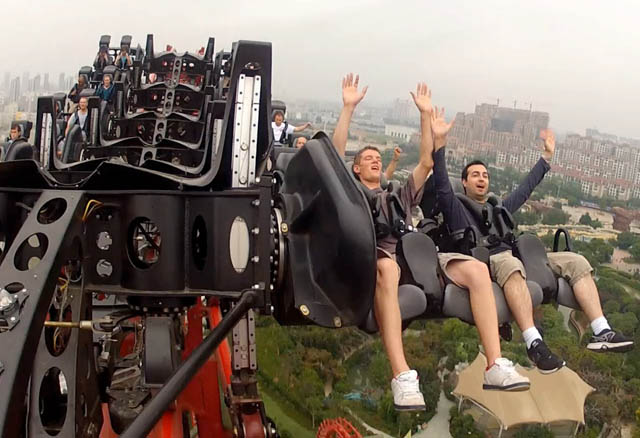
(439, 142)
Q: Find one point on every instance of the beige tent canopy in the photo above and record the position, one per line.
(552, 397)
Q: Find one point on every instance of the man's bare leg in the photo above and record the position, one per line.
(387, 311)
(519, 300)
(586, 294)
(475, 277)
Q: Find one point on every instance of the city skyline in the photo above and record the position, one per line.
(575, 60)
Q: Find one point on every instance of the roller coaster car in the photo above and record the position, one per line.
(308, 179)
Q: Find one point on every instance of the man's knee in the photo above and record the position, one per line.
(472, 272)
(388, 271)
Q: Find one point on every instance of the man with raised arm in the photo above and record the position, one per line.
(506, 269)
(463, 270)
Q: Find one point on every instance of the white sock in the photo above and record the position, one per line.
(530, 335)
(599, 324)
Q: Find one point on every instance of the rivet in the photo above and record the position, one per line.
(304, 310)
(284, 227)
(337, 321)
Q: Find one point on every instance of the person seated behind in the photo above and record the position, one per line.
(391, 167)
(509, 272)
(105, 90)
(102, 60)
(282, 129)
(463, 270)
(300, 142)
(15, 136)
(80, 117)
(74, 94)
(123, 60)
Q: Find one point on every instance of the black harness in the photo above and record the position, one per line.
(395, 224)
(495, 225)
(283, 134)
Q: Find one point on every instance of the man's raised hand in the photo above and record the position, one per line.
(351, 96)
(422, 98)
(549, 143)
(440, 128)
(396, 153)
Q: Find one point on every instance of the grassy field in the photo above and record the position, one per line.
(282, 420)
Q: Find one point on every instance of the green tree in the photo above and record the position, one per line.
(585, 219)
(635, 252)
(526, 218)
(555, 216)
(534, 431)
(626, 239)
(462, 426)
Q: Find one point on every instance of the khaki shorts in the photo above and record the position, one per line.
(445, 258)
(503, 265)
(568, 265)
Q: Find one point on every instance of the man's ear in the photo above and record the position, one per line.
(356, 169)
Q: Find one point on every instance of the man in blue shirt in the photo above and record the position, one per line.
(507, 270)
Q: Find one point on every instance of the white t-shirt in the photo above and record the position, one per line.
(277, 131)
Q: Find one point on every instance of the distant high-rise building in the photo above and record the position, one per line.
(7, 80)
(36, 87)
(61, 82)
(14, 90)
(25, 81)
(46, 86)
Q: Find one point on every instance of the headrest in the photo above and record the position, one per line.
(456, 184)
(109, 70)
(85, 71)
(25, 127)
(105, 40)
(87, 92)
(278, 105)
(125, 42)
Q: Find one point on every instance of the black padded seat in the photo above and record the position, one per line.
(457, 303)
(565, 296)
(413, 304)
(110, 70)
(530, 250)
(20, 150)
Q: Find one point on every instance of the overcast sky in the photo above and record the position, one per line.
(579, 60)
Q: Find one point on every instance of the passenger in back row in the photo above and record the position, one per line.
(282, 130)
(507, 270)
(463, 270)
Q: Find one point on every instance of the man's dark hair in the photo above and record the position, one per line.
(17, 127)
(358, 156)
(276, 112)
(465, 171)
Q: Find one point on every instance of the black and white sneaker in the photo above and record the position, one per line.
(609, 340)
(543, 358)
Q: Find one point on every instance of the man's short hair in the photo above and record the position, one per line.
(356, 159)
(17, 127)
(465, 171)
(276, 112)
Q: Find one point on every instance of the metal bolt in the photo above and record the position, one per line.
(256, 231)
(337, 321)
(255, 203)
(258, 180)
(284, 228)
(6, 300)
(255, 259)
(12, 319)
(304, 310)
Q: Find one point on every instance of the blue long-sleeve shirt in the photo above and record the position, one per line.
(456, 215)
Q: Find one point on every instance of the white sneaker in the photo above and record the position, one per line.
(406, 392)
(502, 376)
